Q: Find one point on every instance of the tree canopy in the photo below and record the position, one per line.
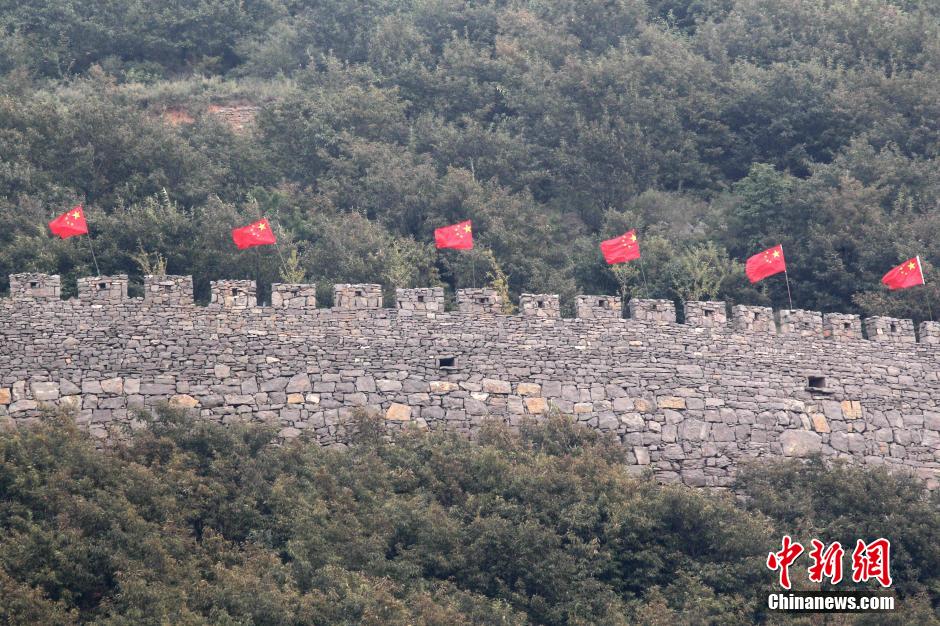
(715, 127)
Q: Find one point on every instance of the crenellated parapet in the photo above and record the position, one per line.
(753, 319)
(889, 330)
(800, 322)
(168, 290)
(652, 310)
(929, 333)
(842, 327)
(358, 296)
(599, 307)
(35, 286)
(103, 288)
(233, 294)
(295, 296)
(539, 305)
(711, 314)
(420, 300)
(689, 401)
(479, 300)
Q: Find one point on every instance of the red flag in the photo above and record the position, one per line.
(621, 249)
(257, 234)
(766, 263)
(70, 223)
(907, 274)
(458, 236)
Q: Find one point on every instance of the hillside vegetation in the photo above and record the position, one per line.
(715, 127)
(191, 522)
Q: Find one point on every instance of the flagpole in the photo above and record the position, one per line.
(92, 248)
(789, 297)
(923, 281)
(645, 282)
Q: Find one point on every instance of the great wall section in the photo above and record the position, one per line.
(688, 400)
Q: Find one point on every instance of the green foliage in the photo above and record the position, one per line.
(714, 127)
(189, 521)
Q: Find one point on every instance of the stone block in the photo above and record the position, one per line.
(233, 294)
(168, 290)
(842, 327)
(753, 319)
(424, 300)
(539, 305)
(496, 386)
(357, 296)
(294, 296)
(103, 288)
(800, 443)
(652, 310)
(528, 389)
(536, 406)
(35, 286)
(599, 307)
(889, 330)
(929, 333)
(801, 322)
(710, 314)
(480, 300)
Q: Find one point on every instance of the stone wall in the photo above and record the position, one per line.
(690, 401)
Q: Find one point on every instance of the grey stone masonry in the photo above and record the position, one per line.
(539, 305)
(753, 319)
(652, 310)
(233, 294)
(599, 307)
(168, 290)
(706, 314)
(361, 296)
(294, 296)
(103, 288)
(889, 329)
(801, 322)
(929, 332)
(690, 403)
(422, 300)
(35, 286)
(478, 300)
(842, 326)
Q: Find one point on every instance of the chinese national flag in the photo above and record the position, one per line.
(766, 263)
(70, 223)
(907, 274)
(257, 234)
(621, 249)
(457, 236)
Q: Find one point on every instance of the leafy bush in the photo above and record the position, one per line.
(193, 522)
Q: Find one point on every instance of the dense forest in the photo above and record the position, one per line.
(190, 522)
(714, 127)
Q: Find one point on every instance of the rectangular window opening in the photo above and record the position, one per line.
(604, 304)
(447, 362)
(358, 293)
(847, 325)
(816, 382)
(420, 298)
(540, 304)
(33, 285)
(894, 327)
(756, 316)
(482, 300)
(708, 312)
(102, 286)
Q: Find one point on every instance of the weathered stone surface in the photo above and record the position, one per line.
(496, 386)
(800, 443)
(398, 412)
(696, 397)
(184, 401)
(670, 402)
(536, 406)
(528, 389)
(45, 391)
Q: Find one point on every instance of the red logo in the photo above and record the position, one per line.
(869, 561)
